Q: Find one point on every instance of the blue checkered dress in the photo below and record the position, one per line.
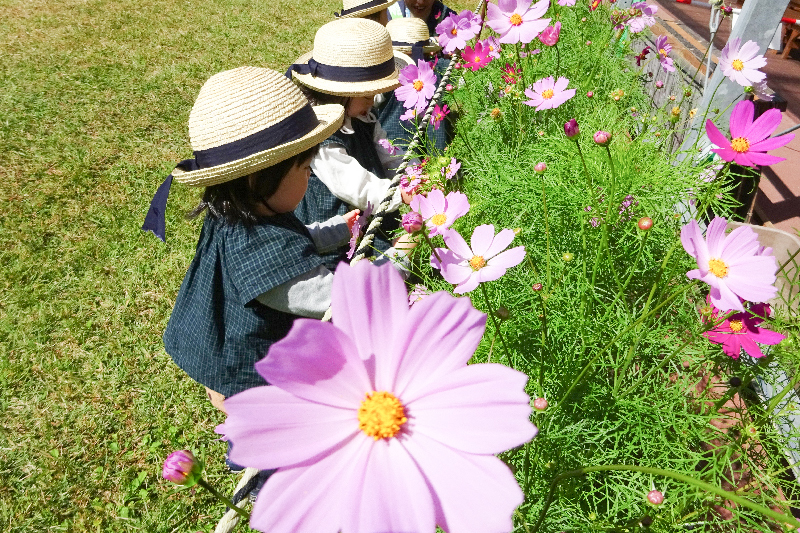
(218, 330)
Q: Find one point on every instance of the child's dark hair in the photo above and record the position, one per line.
(374, 16)
(238, 200)
(318, 98)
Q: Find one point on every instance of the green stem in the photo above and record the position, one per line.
(546, 232)
(494, 321)
(202, 482)
(744, 502)
(428, 240)
(777, 399)
(545, 351)
(656, 368)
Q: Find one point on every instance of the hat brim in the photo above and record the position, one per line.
(432, 47)
(330, 118)
(354, 88)
(368, 11)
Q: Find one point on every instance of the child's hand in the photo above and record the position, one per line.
(406, 197)
(405, 242)
(351, 217)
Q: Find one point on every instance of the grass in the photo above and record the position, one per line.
(95, 97)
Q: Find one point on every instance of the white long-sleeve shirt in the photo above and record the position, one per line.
(348, 180)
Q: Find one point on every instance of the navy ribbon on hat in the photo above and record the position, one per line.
(367, 5)
(336, 73)
(290, 128)
(416, 48)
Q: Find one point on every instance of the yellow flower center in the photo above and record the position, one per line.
(737, 65)
(381, 414)
(477, 262)
(718, 267)
(547, 94)
(676, 111)
(495, 112)
(662, 52)
(477, 59)
(438, 220)
(736, 325)
(418, 85)
(515, 19)
(454, 31)
(740, 144)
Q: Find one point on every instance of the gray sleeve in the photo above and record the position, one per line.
(307, 295)
(330, 234)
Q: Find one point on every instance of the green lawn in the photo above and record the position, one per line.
(94, 101)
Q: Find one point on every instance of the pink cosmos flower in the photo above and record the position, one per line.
(549, 35)
(742, 330)
(643, 19)
(663, 48)
(740, 62)
(410, 114)
(548, 94)
(730, 265)
(418, 83)
(476, 58)
(511, 73)
(449, 172)
(438, 115)
(749, 139)
(493, 45)
(412, 222)
(439, 211)
(760, 90)
(456, 30)
(418, 293)
(375, 422)
(566, 3)
(468, 266)
(516, 20)
(388, 146)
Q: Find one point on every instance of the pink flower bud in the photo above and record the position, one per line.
(571, 128)
(655, 497)
(588, 43)
(448, 88)
(540, 404)
(540, 167)
(537, 287)
(181, 467)
(602, 137)
(549, 35)
(645, 223)
(589, 94)
(412, 222)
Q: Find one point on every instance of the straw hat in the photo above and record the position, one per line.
(410, 31)
(351, 57)
(362, 8)
(250, 118)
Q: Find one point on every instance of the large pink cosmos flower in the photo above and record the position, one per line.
(456, 30)
(740, 63)
(468, 266)
(749, 139)
(418, 83)
(663, 48)
(742, 330)
(376, 423)
(644, 17)
(548, 94)
(476, 58)
(516, 20)
(439, 211)
(733, 266)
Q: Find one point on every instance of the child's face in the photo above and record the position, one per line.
(359, 106)
(421, 9)
(292, 188)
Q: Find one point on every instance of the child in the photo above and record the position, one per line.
(368, 9)
(352, 61)
(432, 12)
(256, 267)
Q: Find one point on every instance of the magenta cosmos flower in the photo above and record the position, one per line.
(468, 266)
(732, 265)
(549, 35)
(438, 115)
(742, 330)
(749, 139)
(663, 48)
(375, 422)
(740, 63)
(476, 58)
(418, 83)
(181, 467)
(439, 211)
(548, 94)
(456, 30)
(516, 20)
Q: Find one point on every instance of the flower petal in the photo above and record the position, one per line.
(364, 290)
(509, 258)
(458, 245)
(741, 118)
(480, 409)
(716, 136)
(481, 240)
(501, 241)
(271, 428)
(750, 346)
(763, 126)
(772, 143)
(715, 237)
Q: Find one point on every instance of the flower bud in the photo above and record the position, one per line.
(571, 128)
(735, 381)
(659, 84)
(503, 313)
(181, 467)
(567, 257)
(588, 43)
(537, 287)
(645, 223)
(540, 166)
(655, 497)
(602, 137)
(448, 87)
(540, 404)
(589, 94)
(549, 36)
(412, 222)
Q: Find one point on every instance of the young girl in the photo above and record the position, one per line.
(432, 12)
(352, 61)
(257, 267)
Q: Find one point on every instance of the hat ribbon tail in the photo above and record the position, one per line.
(155, 220)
